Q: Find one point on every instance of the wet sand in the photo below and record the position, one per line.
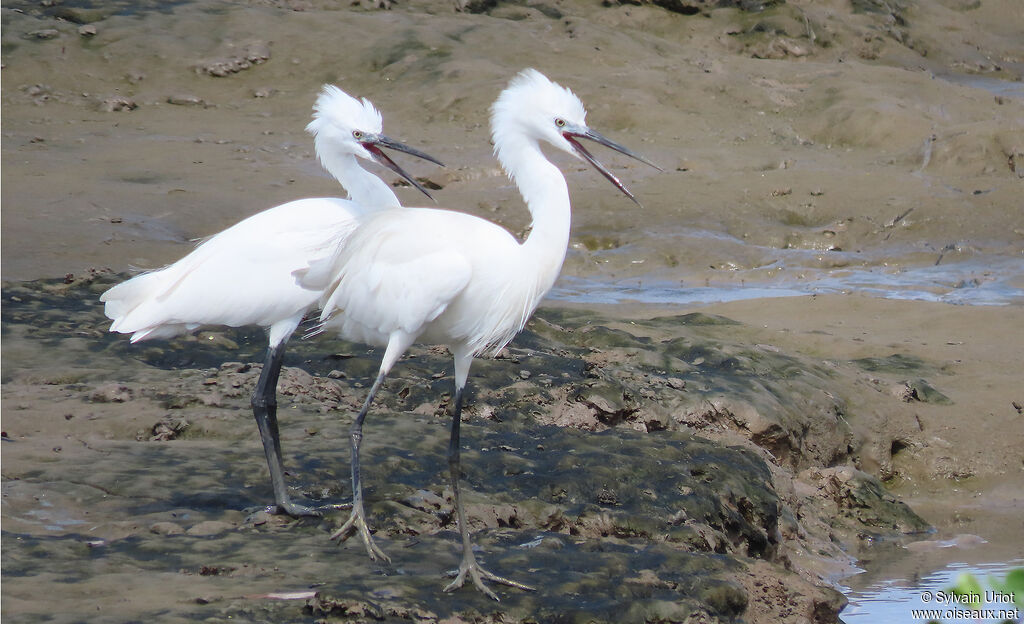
(804, 141)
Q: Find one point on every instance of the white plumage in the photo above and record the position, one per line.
(243, 275)
(435, 276)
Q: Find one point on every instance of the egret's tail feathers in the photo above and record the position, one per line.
(122, 299)
(163, 331)
(130, 305)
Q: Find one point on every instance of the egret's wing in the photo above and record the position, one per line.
(394, 278)
(241, 276)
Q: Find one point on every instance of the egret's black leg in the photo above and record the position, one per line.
(264, 409)
(357, 519)
(469, 564)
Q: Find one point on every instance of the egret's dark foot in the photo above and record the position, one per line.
(294, 510)
(479, 575)
(357, 523)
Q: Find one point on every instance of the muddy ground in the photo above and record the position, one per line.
(635, 462)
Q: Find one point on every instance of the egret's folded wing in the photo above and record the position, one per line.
(398, 294)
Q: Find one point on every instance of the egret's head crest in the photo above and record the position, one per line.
(337, 111)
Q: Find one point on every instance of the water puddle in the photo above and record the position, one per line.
(1004, 88)
(981, 281)
(929, 597)
(81, 8)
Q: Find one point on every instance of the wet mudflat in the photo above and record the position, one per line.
(634, 462)
(612, 476)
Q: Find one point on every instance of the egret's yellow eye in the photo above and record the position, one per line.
(560, 123)
(357, 135)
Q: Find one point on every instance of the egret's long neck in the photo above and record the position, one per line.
(546, 195)
(363, 187)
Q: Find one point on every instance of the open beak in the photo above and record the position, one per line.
(373, 143)
(572, 133)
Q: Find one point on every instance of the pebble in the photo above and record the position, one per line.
(209, 527)
(45, 33)
(185, 99)
(166, 528)
(117, 103)
(111, 393)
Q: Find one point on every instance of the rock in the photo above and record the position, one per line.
(209, 527)
(80, 15)
(859, 501)
(111, 393)
(185, 99)
(168, 428)
(254, 53)
(166, 528)
(425, 500)
(117, 103)
(475, 6)
(44, 33)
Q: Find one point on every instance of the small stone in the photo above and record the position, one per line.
(87, 30)
(118, 103)
(904, 392)
(259, 518)
(167, 428)
(166, 528)
(111, 393)
(45, 33)
(185, 99)
(209, 527)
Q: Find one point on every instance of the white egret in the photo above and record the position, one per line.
(243, 275)
(435, 276)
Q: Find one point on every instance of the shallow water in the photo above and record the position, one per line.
(896, 599)
(1004, 88)
(978, 281)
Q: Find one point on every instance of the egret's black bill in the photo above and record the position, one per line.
(373, 143)
(586, 133)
